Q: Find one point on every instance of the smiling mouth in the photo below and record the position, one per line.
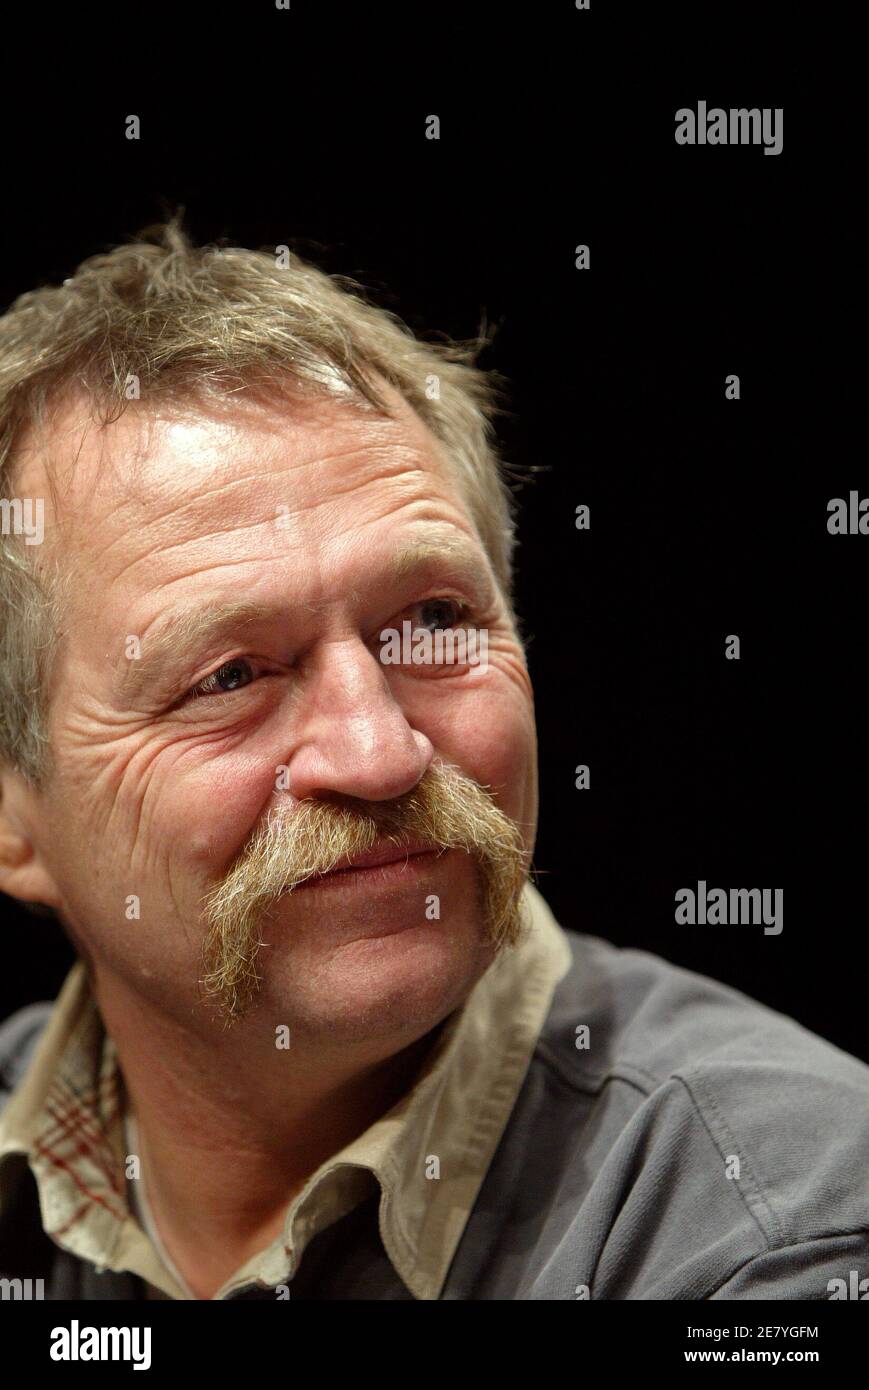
(387, 861)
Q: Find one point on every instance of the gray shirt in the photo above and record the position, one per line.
(694, 1145)
(702, 1146)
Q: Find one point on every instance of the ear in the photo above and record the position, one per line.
(23, 872)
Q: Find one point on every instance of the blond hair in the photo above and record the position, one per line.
(210, 322)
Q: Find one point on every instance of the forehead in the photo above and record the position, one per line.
(254, 474)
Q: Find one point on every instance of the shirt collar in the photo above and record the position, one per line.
(429, 1154)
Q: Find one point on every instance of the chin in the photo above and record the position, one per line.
(395, 986)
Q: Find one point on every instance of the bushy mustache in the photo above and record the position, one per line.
(447, 809)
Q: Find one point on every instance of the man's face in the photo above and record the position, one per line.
(330, 525)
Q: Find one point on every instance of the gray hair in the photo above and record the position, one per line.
(206, 323)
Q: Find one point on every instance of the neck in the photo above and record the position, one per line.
(230, 1131)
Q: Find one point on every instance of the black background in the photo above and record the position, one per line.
(708, 517)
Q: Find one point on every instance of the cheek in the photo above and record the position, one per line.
(213, 809)
(490, 734)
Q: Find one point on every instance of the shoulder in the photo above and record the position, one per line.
(655, 1019)
(676, 1064)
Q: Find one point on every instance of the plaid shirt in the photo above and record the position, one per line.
(67, 1115)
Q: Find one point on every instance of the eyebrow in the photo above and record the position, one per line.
(209, 622)
(184, 627)
(457, 553)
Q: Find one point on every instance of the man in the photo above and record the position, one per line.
(324, 1038)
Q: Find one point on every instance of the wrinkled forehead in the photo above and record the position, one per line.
(177, 458)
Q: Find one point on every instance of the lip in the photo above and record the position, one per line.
(377, 858)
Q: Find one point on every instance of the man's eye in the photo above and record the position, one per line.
(441, 612)
(232, 675)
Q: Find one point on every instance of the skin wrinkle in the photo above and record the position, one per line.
(123, 774)
(135, 673)
(30, 449)
(241, 483)
(169, 807)
(312, 608)
(116, 776)
(175, 513)
(166, 550)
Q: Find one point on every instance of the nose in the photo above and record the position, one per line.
(350, 734)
